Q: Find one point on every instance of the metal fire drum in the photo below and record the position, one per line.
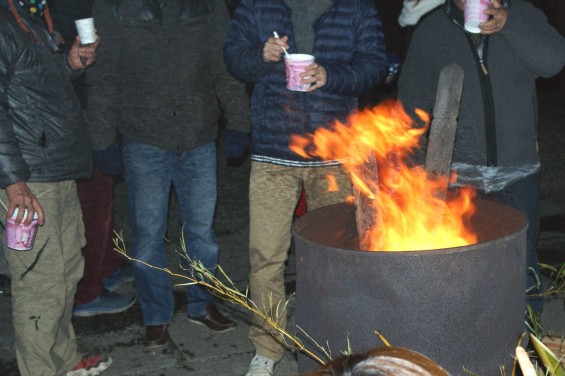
(462, 307)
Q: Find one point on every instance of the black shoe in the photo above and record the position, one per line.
(155, 336)
(214, 320)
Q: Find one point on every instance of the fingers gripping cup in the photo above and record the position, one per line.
(294, 65)
(19, 236)
(474, 14)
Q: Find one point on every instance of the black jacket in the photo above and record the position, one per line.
(497, 123)
(43, 135)
(162, 80)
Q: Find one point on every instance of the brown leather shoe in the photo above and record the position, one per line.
(155, 336)
(214, 320)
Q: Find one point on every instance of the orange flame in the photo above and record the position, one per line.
(410, 215)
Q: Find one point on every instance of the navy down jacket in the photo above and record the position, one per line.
(349, 44)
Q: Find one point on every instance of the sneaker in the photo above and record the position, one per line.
(214, 320)
(106, 302)
(91, 366)
(261, 366)
(120, 276)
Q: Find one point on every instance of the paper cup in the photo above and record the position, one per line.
(86, 30)
(474, 14)
(18, 236)
(294, 65)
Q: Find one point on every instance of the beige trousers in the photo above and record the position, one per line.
(44, 282)
(274, 192)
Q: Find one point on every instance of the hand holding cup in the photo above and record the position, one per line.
(474, 14)
(498, 16)
(315, 75)
(87, 34)
(296, 67)
(19, 235)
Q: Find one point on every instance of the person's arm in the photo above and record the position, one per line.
(369, 65)
(537, 43)
(231, 93)
(73, 60)
(243, 46)
(14, 171)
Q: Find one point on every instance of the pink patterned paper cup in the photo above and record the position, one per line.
(294, 65)
(18, 236)
(474, 14)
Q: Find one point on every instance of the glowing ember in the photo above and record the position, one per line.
(410, 216)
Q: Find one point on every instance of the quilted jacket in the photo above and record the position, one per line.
(43, 135)
(349, 44)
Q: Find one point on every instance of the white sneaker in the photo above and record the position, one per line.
(261, 366)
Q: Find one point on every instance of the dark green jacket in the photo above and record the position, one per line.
(163, 67)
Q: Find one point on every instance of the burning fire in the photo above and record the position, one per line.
(402, 198)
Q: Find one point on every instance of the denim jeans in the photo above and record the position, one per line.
(149, 173)
(524, 195)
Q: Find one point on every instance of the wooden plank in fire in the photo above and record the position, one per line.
(442, 129)
(438, 158)
(367, 209)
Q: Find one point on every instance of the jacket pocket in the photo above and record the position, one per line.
(194, 14)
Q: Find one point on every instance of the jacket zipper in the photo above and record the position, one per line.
(488, 100)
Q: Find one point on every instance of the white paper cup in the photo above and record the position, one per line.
(20, 237)
(294, 65)
(86, 30)
(474, 14)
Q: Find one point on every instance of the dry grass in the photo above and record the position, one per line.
(224, 288)
(550, 350)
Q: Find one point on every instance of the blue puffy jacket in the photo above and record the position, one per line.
(349, 44)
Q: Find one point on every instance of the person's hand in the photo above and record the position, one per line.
(81, 57)
(273, 49)
(20, 196)
(496, 22)
(235, 143)
(314, 74)
(109, 160)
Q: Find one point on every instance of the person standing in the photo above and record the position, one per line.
(171, 76)
(496, 138)
(105, 270)
(347, 42)
(44, 147)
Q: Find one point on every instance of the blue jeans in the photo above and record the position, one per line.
(149, 173)
(524, 195)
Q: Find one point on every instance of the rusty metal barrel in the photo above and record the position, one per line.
(462, 307)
